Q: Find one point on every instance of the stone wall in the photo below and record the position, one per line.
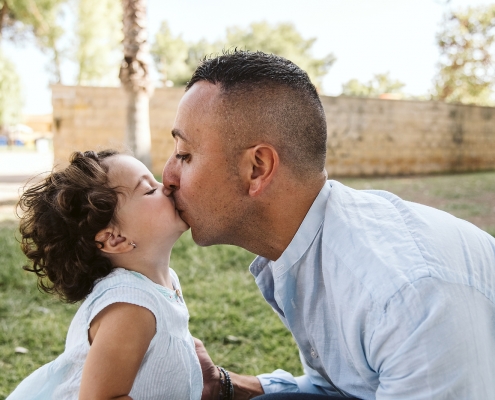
(394, 137)
(87, 117)
(365, 136)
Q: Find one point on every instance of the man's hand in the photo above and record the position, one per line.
(245, 387)
(211, 377)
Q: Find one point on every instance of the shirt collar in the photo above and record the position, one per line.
(302, 239)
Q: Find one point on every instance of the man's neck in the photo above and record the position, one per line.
(281, 219)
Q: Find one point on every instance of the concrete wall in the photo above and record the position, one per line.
(365, 136)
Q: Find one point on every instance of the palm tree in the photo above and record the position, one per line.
(135, 79)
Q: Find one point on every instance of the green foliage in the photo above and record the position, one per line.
(228, 313)
(176, 59)
(40, 18)
(27, 318)
(170, 54)
(10, 93)
(380, 84)
(99, 34)
(240, 330)
(284, 40)
(467, 50)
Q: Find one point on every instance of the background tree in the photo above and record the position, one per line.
(20, 18)
(467, 56)
(134, 76)
(378, 85)
(10, 94)
(284, 40)
(170, 54)
(99, 36)
(176, 59)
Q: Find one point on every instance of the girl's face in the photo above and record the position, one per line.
(146, 214)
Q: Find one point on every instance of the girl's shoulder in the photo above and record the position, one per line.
(118, 277)
(121, 278)
(121, 286)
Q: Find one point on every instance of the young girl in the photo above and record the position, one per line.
(102, 230)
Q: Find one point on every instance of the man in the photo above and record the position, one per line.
(385, 298)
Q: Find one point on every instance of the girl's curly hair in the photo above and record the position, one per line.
(61, 216)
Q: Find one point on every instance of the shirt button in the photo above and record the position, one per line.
(314, 354)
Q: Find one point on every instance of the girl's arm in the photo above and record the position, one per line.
(119, 335)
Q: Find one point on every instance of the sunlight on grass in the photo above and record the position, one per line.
(240, 331)
(227, 312)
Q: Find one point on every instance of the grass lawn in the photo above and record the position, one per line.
(240, 331)
(467, 196)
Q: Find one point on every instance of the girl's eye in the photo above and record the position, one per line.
(151, 191)
(182, 157)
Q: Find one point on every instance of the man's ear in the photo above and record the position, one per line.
(263, 163)
(109, 241)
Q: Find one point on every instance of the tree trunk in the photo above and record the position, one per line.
(138, 126)
(3, 14)
(135, 79)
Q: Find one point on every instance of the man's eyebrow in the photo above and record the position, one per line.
(177, 133)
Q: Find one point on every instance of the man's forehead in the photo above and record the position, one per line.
(198, 112)
(202, 93)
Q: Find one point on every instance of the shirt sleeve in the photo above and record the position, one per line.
(434, 340)
(280, 381)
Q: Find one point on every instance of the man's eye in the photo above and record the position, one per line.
(151, 191)
(182, 157)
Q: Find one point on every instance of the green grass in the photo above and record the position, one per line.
(240, 331)
(467, 196)
(27, 318)
(227, 312)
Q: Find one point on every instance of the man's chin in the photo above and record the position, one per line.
(203, 239)
(199, 241)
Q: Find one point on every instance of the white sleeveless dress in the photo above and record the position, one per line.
(170, 368)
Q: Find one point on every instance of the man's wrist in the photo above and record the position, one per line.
(215, 386)
(245, 386)
(226, 386)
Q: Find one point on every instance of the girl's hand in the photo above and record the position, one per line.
(120, 336)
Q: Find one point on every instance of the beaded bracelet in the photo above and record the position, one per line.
(226, 386)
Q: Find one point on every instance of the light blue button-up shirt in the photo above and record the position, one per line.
(386, 299)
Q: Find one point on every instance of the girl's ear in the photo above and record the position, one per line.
(109, 241)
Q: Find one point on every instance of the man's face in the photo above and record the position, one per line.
(207, 188)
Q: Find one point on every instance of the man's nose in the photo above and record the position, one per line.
(171, 173)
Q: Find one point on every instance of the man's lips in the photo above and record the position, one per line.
(183, 217)
(178, 208)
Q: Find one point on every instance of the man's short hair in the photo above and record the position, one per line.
(272, 99)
